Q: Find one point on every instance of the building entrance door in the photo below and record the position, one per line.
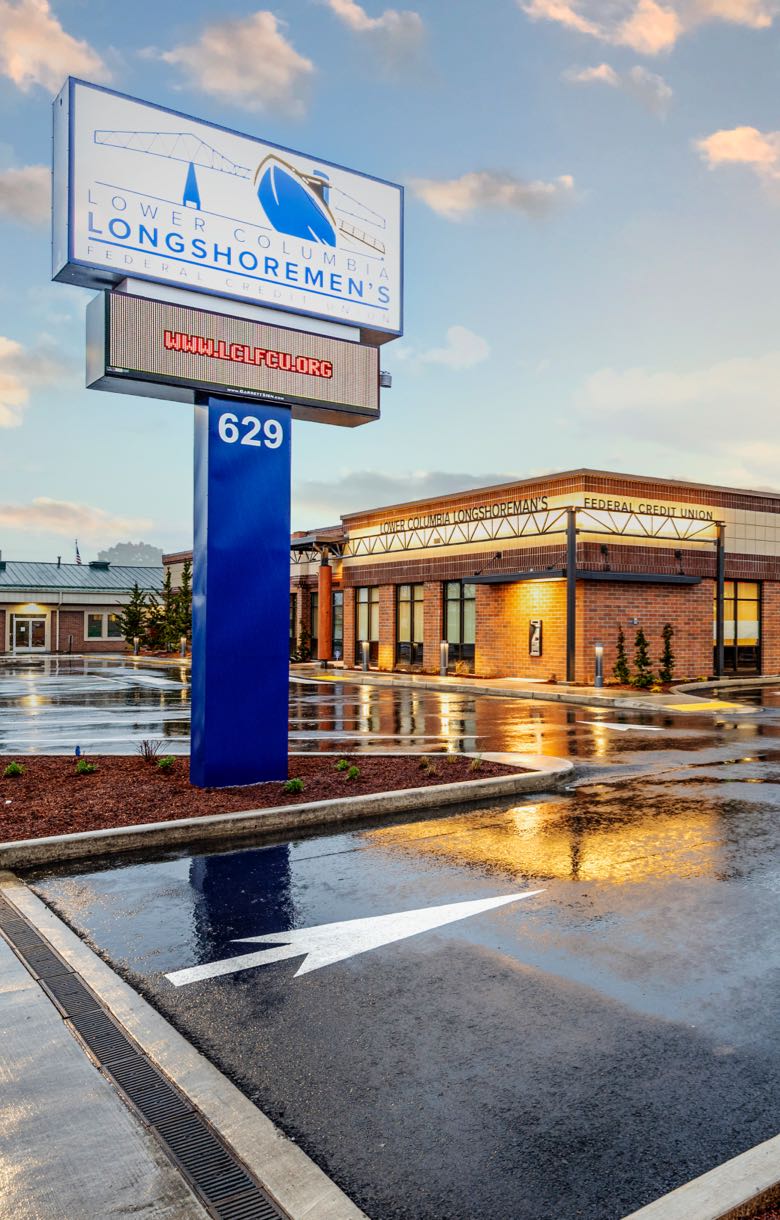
(29, 634)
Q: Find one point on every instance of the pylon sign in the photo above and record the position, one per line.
(146, 194)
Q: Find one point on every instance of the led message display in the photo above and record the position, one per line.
(164, 350)
(143, 192)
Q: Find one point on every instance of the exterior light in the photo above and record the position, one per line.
(365, 650)
(183, 646)
(385, 380)
(444, 658)
(599, 651)
(136, 645)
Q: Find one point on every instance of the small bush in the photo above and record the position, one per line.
(85, 768)
(462, 668)
(428, 765)
(149, 750)
(342, 765)
(13, 770)
(165, 764)
(353, 773)
(475, 763)
(451, 757)
(293, 785)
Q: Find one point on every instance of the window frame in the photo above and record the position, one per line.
(104, 616)
(410, 650)
(460, 651)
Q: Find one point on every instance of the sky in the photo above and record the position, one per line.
(592, 265)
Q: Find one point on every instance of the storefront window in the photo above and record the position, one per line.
(460, 621)
(409, 620)
(113, 627)
(338, 624)
(367, 622)
(314, 618)
(741, 626)
(94, 626)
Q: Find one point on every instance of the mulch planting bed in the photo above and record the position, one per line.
(50, 798)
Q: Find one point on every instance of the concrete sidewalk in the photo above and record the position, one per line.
(70, 1146)
(683, 699)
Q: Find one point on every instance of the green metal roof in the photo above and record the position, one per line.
(32, 577)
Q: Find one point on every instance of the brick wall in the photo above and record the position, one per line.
(387, 610)
(72, 622)
(770, 628)
(349, 629)
(504, 613)
(687, 607)
(433, 628)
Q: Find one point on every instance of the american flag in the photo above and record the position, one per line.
(78, 553)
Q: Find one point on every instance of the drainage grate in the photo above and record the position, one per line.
(69, 994)
(211, 1168)
(207, 1162)
(149, 1091)
(102, 1036)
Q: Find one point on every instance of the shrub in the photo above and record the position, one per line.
(644, 674)
(85, 768)
(166, 763)
(342, 765)
(621, 672)
(13, 770)
(451, 757)
(149, 750)
(475, 763)
(666, 672)
(428, 765)
(353, 773)
(293, 785)
(462, 668)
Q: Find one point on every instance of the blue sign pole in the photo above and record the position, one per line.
(241, 592)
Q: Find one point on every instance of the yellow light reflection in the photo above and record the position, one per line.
(555, 840)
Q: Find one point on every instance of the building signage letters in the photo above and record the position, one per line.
(149, 193)
(459, 516)
(653, 510)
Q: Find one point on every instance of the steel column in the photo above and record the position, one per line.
(571, 593)
(325, 609)
(720, 582)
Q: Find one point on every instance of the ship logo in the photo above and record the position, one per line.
(296, 204)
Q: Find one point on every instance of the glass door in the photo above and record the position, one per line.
(29, 634)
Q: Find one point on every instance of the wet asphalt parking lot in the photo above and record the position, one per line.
(575, 1053)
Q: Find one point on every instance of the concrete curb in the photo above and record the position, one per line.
(544, 775)
(736, 1190)
(301, 1189)
(548, 694)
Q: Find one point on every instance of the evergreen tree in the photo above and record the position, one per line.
(666, 672)
(184, 602)
(169, 615)
(621, 671)
(132, 619)
(153, 622)
(644, 674)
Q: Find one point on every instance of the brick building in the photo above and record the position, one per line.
(67, 607)
(526, 578)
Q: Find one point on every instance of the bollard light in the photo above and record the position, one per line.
(183, 646)
(136, 645)
(599, 651)
(444, 658)
(365, 649)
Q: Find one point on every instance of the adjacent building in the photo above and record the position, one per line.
(67, 607)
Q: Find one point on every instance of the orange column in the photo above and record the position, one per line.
(325, 611)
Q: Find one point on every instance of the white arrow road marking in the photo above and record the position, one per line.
(333, 942)
(625, 728)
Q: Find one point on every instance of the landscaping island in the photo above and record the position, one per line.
(57, 795)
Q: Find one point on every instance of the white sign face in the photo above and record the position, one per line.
(148, 193)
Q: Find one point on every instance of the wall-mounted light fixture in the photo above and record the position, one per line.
(599, 651)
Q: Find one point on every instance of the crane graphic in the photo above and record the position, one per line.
(296, 204)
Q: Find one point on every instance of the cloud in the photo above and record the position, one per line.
(397, 35)
(455, 198)
(646, 87)
(23, 370)
(693, 412)
(245, 61)
(317, 501)
(759, 151)
(462, 350)
(70, 519)
(644, 25)
(36, 50)
(25, 194)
